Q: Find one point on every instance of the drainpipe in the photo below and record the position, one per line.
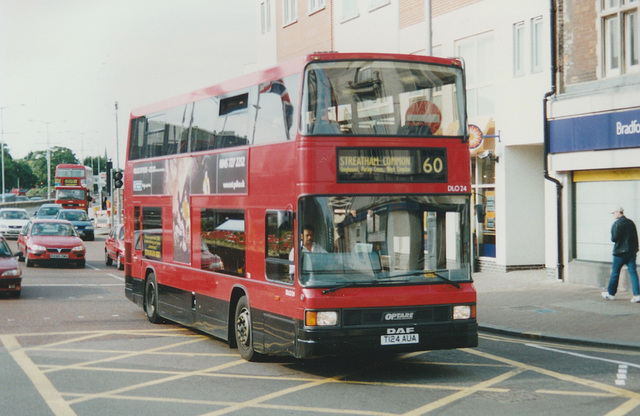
(554, 69)
(428, 21)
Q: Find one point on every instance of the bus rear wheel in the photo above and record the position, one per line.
(151, 299)
(244, 331)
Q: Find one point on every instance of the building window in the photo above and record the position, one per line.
(518, 49)
(620, 34)
(350, 9)
(289, 12)
(536, 44)
(315, 5)
(376, 4)
(265, 16)
(478, 54)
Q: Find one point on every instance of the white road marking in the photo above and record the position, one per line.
(621, 377)
(575, 354)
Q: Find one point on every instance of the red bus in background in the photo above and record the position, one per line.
(73, 185)
(320, 207)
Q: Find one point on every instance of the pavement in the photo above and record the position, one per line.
(530, 304)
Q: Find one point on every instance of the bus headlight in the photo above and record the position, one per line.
(463, 312)
(321, 318)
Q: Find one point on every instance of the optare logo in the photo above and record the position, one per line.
(398, 316)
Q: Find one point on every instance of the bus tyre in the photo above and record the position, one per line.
(244, 331)
(151, 299)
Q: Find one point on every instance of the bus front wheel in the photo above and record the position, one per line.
(151, 299)
(244, 330)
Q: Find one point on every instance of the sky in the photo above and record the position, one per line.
(65, 63)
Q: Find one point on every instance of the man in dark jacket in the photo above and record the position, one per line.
(625, 246)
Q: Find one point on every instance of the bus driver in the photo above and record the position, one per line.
(308, 245)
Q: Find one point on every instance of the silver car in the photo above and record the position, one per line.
(12, 220)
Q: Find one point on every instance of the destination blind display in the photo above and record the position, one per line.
(70, 182)
(427, 165)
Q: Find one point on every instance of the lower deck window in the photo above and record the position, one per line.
(279, 240)
(152, 233)
(223, 241)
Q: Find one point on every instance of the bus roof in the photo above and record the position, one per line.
(284, 69)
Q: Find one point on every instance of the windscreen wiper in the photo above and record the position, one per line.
(347, 285)
(428, 273)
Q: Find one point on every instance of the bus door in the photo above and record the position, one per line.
(279, 328)
(136, 252)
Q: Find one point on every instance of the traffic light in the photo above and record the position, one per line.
(109, 169)
(117, 179)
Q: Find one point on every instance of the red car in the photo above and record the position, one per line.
(49, 241)
(114, 247)
(10, 272)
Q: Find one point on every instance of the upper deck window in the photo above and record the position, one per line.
(382, 98)
(259, 114)
(71, 173)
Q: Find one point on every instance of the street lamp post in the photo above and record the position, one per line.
(46, 123)
(117, 221)
(2, 143)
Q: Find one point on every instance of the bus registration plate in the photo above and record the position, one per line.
(59, 256)
(399, 339)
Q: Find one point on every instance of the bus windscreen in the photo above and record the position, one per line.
(382, 98)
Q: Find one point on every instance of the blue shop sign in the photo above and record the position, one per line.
(617, 130)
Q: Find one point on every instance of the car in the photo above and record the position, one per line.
(12, 220)
(80, 220)
(50, 241)
(114, 247)
(48, 211)
(208, 260)
(10, 272)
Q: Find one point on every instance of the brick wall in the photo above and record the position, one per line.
(578, 41)
(411, 12)
(440, 7)
(310, 33)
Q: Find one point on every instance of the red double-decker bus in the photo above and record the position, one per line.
(73, 185)
(320, 207)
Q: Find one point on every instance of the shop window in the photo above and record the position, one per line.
(594, 200)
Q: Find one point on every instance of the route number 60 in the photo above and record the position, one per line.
(434, 166)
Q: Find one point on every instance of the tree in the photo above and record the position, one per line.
(98, 164)
(17, 173)
(24, 177)
(38, 162)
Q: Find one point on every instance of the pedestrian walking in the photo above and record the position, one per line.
(625, 246)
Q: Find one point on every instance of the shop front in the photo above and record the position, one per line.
(598, 155)
(483, 181)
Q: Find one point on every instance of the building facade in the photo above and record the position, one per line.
(507, 48)
(594, 131)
